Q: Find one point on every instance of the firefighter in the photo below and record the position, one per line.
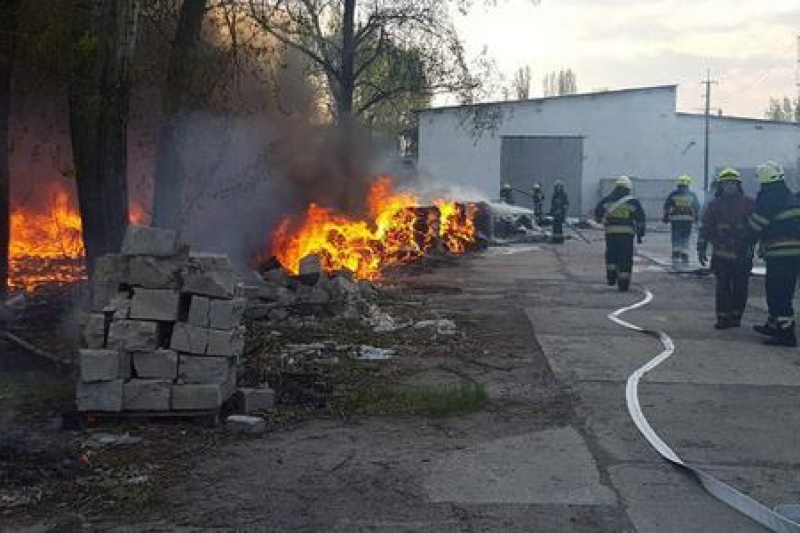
(538, 202)
(507, 194)
(776, 223)
(725, 226)
(681, 210)
(559, 204)
(623, 218)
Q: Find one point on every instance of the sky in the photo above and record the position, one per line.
(749, 46)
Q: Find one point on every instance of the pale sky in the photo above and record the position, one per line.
(750, 46)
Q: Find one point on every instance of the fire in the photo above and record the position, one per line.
(399, 230)
(47, 244)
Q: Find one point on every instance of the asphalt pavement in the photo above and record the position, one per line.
(724, 402)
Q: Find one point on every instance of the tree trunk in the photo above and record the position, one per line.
(103, 38)
(8, 19)
(170, 174)
(347, 81)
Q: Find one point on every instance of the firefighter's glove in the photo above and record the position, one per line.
(639, 239)
(665, 219)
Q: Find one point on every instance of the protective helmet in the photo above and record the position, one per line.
(623, 181)
(506, 185)
(769, 172)
(728, 174)
(684, 179)
(537, 186)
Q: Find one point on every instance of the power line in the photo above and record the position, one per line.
(708, 82)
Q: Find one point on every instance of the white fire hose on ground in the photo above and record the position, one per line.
(783, 519)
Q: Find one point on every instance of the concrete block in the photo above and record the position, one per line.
(94, 333)
(110, 271)
(104, 365)
(243, 290)
(160, 364)
(141, 240)
(228, 343)
(154, 272)
(99, 396)
(254, 400)
(310, 264)
(147, 395)
(192, 397)
(155, 304)
(226, 314)
(133, 336)
(118, 307)
(199, 310)
(190, 339)
(250, 425)
(203, 369)
(209, 275)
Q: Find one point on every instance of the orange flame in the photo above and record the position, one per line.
(400, 230)
(46, 245)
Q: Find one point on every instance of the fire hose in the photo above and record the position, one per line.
(782, 519)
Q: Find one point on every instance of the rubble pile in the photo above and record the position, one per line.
(165, 332)
(287, 299)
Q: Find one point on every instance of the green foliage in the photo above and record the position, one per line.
(783, 109)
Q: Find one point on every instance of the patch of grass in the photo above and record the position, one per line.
(435, 402)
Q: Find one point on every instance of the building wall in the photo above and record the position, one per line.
(635, 132)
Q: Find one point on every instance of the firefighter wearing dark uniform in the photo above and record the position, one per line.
(776, 223)
(507, 194)
(623, 218)
(725, 226)
(559, 204)
(681, 210)
(538, 202)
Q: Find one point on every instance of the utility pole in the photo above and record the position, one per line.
(707, 83)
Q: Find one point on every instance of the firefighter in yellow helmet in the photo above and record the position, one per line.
(537, 195)
(681, 211)
(623, 218)
(776, 224)
(725, 227)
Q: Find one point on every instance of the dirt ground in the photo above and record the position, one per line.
(334, 462)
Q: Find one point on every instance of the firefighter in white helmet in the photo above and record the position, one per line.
(681, 211)
(623, 217)
(776, 223)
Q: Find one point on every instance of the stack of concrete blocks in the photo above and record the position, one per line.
(165, 330)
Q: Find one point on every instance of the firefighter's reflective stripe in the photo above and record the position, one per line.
(789, 213)
(681, 218)
(724, 254)
(781, 248)
(682, 208)
(757, 222)
(619, 229)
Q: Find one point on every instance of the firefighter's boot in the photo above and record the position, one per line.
(770, 328)
(785, 335)
(624, 281)
(684, 258)
(723, 322)
(611, 275)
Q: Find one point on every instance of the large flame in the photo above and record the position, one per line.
(399, 231)
(46, 242)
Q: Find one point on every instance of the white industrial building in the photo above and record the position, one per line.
(587, 140)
